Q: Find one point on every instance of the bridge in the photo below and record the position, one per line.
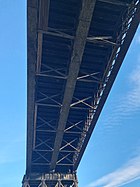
(75, 49)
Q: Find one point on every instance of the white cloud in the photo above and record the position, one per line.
(138, 39)
(123, 107)
(133, 96)
(132, 99)
(125, 174)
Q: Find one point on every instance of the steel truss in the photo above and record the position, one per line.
(50, 180)
(85, 77)
(46, 99)
(65, 153)
(56, 73)
(53, 146)
(127, 20)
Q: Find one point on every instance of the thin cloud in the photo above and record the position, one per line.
(137, 38)
(128, 173)
(135, 80)
(131, 102)
(125, 106)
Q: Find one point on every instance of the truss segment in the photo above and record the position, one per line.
(106, 40)
(50, 179)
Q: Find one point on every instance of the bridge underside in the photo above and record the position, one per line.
(75, 50)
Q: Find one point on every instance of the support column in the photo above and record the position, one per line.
(50, 180)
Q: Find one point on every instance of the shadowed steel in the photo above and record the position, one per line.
(75, 49)
(76, 58)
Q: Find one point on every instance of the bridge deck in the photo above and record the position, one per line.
(75, 49)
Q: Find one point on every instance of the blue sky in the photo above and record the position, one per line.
(112, 158)
(12, 92)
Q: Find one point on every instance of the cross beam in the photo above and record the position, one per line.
(76, 58)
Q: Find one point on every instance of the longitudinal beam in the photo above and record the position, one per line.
(31, 61)
(76, 58)
(35, 8)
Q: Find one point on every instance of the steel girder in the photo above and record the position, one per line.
(66, 90)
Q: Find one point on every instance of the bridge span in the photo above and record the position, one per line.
(74, 51)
